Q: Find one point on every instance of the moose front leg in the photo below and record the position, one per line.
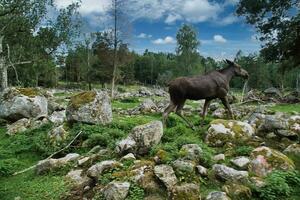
(227, 106)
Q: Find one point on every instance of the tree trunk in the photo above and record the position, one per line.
(115, 50)
(3, 67)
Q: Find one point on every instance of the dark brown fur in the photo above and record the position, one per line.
(210, 86)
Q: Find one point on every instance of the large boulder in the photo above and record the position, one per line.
(265, 160)
(222, 131)
(77, 179)
(241, 162)
(58, 117)
(21, 103)
(116, 190)
(229, 174)
(141, 139)
(90, 107)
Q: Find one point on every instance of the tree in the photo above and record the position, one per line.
(30, 36)
(187, 45)
(278, 22)
(120, 23)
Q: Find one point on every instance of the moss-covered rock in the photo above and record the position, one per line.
(222, 131)
(237, 191)
(186, 191)
(90, 107)
(265, 160)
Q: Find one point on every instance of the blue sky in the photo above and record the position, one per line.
(155, 23)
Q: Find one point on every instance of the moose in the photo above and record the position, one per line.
(212, 85)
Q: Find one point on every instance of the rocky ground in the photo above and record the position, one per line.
(57, 144)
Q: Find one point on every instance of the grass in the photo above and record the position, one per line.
(288, 108)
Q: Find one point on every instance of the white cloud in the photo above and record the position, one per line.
(144, 36)
(87, 6)
(166, 40)
(230, 19)
(170, 11)
(231, 2)
(219, 39)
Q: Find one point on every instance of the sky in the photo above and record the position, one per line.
(154, 24)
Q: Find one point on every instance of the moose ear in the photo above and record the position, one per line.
(229, 62)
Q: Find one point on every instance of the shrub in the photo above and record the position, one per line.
(9, 166)
(279, 185)
(243, 150)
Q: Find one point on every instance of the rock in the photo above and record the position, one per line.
(166, 174)
(241, 162)
(191, 152)
(237, 191)
(287, 133)
(160, 93)
(214, 106)
(143, 175)
(126, 145)
(219, 113)
(21, 103)
(272, 123)
(145, 92)
(219, 157)
(258, 181)
(184, 166)
(97, 169)
(223, 131)
(216, 195)
(264, 160)
(53, 106)
(185, 191)
(83, 161)
(129, 156)
(202, 170)
(18, 126)
(229, 174)
(147, 106)
(272, 92)
(293, 150)
(116, 190)
(57, 134)
(46, 165)
(141, 139)
(58, 117)
(90, 107)
(77, 180)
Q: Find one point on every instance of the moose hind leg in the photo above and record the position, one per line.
(179, 113)
(227, 106)
(167, 111)
(206, 105)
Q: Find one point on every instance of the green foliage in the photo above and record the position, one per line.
(243, 150)
(135, 193)
(279, 185)
(8, 166)
(288, 108)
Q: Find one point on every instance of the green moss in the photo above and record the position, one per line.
(82, 99)
(30, 92)
(288, 108)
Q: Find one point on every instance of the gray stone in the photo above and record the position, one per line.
(18, 126)
(116, 190)
(75, 178)
(97, 169)
(14, 105)
(58, 117)
(188, 191)
(241, 162)
(202, 170)
(229, 174)
(217, 195)
(183, 165)
(141, 139)
(191, 152)
(219, 157)
(58, 134)
(166, 174)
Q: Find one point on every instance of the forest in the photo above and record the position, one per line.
(85, 89)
